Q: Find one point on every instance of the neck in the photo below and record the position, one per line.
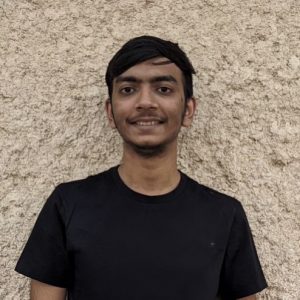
(150, 175)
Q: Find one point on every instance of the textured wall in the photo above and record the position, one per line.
(244, 142)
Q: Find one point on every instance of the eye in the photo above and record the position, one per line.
(164, 90)
(127, 90)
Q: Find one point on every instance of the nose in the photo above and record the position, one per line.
(145, 99)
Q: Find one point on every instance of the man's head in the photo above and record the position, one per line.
(143, 48)
(150, 94)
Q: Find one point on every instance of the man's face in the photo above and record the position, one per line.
(148, 106)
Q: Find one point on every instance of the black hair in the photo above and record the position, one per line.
(142, 48)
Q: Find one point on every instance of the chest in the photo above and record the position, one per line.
(155, 239)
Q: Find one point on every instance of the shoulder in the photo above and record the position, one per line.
(86, 185)
(75, 195)
(210, 197)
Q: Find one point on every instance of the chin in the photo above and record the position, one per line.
(147, 149)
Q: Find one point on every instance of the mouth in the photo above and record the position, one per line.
(146, 121)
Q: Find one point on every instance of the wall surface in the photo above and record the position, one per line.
(245, 139)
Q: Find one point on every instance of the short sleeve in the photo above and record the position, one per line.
(45, 257)
(241, 273)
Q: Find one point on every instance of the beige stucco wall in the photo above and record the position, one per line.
(244, 141)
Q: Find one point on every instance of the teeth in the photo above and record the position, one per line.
(147, 123)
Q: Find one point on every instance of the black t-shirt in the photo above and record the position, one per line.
(102, 240)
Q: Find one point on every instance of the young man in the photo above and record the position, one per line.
(143, 230)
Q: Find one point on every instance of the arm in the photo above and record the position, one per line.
(43, 291)
(252, 297)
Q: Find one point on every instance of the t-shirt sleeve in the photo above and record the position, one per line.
(45, 257)
(241, 273)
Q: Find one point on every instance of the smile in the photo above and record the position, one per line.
(147, 123)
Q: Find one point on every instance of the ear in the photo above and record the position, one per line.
(109, 113)
(190, 109)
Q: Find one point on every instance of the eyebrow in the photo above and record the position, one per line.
(154, 79)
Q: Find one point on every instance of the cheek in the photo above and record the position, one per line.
(178, 112)
(119, 115)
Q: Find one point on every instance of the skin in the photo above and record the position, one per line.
(43, 291)
(150, 152)
(148, 109)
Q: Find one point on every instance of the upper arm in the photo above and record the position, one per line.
(241, 272)
(252, 297)
(45, 256)
(43, 291)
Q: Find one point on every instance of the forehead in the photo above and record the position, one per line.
(159, 66)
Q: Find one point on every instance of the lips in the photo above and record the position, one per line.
(146, 121)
